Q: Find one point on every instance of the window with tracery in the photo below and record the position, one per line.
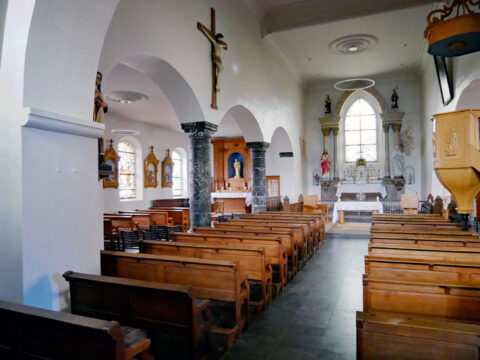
(360, 132)
(126, 171)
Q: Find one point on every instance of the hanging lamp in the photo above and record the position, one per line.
(454, 36)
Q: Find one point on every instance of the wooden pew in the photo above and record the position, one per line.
(211, 279)
(156, 217)
(31, 333)
(419, 270)
(295, 232)
(142, 221)
(416, 225)
(288, 241)
(315, 224)
(319, 218)
(427, 240)
(273, 248)
(403, 217)
(453, 301)
(252, 262)
(404, 336)
(162, 308)
(312, 235)
(281, 225)
(420, 231)
(447, 253)
(180, 215)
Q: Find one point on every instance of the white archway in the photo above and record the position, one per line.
(470, 96)
(246, 122)
(280, 161)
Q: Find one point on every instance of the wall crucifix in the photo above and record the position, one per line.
(217, 45)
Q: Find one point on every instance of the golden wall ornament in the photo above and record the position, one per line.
(111, 158)
(167, 171)
(151, 170)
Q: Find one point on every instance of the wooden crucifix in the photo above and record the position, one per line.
(217, 45)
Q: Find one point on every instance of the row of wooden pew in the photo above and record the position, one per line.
(211, 280)
(421, 290)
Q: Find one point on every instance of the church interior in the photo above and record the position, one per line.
(240, 179)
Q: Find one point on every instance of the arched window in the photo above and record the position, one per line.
(360, 132)
(127, 171)
(179, 174)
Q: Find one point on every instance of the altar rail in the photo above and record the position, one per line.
(274, 203)
(389, 207)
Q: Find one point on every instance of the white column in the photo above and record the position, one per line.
(386, 132)
(335, 152)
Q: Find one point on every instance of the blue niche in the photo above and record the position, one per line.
(231, 161)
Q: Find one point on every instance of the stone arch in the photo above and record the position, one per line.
(372, 91)
(247, 123)
(178, 92)
(282, 165)
(470, 96)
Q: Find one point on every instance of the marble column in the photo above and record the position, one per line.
(326, 136)
(386, 128)
(335, 152)
(259, 173)
(200, 171)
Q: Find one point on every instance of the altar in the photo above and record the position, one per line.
(233, 202)
(365, 188)
(341, 206)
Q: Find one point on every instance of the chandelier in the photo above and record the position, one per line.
(454, 36)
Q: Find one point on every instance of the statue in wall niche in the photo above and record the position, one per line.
(325, 162)
(237, 166)
(100, 107)
(328, 105)
(394, 99)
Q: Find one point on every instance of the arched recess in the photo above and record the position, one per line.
(280, 161)
(470, 96)
(377, 102)
(245, 121)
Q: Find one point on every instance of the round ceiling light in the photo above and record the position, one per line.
(354, 84)
(353, 44)
(126, 97)
(126, 132)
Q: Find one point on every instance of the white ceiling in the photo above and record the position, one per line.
(401, 42)
(155, 110)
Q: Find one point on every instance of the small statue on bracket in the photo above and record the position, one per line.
(394, 99)
(328, 105)
(325, 162)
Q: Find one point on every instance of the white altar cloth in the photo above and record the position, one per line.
(232, 195)
(356, 206)
(361, 188)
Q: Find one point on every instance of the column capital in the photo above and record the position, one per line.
(258, 145)
(326, 130)
(386, 126)
(200, 128)
(335, 130)
(396, 127)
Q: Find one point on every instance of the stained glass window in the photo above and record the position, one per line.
(360, 132)
(177, 178)
(126, 170)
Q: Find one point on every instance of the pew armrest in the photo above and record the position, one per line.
(202, 305)
(140, 347)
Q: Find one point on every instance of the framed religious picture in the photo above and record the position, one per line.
(167, 170)
(111, 158)
(151, 170)
(444, 80)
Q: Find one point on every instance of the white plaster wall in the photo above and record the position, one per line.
(61, 203)
(281, 166)
(465, 69)
(253, 77)
(162, 139)
(13, 115)
(409, 92)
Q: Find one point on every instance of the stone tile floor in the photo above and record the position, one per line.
(314, 318)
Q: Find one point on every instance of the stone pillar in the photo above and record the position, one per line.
(259, 173)
(386, 128)
(200, 172)
(335, 153)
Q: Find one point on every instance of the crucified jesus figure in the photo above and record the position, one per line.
(217, 45)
